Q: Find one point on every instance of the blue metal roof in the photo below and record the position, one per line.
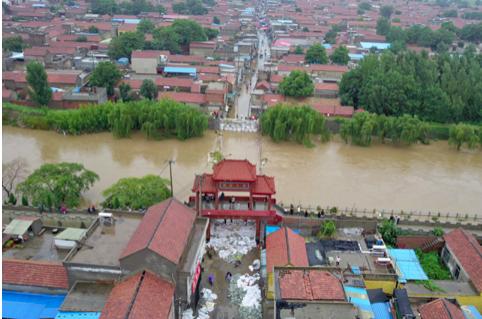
(23, 305)
(355, 56)
(77, 315)
(359, 298)
(272, 229)
(470, 312)
(407, 265)
(381, 310)
(326, 46)
(175, 69)
(376, 45)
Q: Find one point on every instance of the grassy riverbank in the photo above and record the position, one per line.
(158, 119)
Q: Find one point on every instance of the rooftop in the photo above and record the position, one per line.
(440, 309)
(37, 248)
(234, 170)
(87, 296)
(143, 295)
(468, 252)
(34, 273)
(164, 229)
(284, 247)
(105, 244)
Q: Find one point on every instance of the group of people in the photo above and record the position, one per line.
(227, 277)
(91, 209)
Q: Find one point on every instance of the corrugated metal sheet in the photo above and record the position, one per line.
(77, 315)
(407, 265)
(22, 305)
(382, 310)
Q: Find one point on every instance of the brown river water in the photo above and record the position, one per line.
(419, 177)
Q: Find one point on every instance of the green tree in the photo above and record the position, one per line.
(12, 200)
(93, 29)
(340, 55)
(24, 201)
(56, 184)
(297, 84)
(166, 38)
(149, 89)
(327, 229)
(161, 9)
(211, 33)
(389, 232)
(316, 54)
(13, 44)
(216, 20)
(39, 88)
(386, 11)
(298, 50)
(125, 91)
(438, 231)
(461, 134)
(180, 8)
(104, 6)
(365, 6)
(136, 193)
(106, 74)
(188, 31)
(383, 26)
(81, 38)
(145, 26)
(330, 36)
(123, 45)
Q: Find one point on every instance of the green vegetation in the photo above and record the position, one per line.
(166, 118)
(81, 38)
(93, 29)
(192, 7)
(149, 89)
(430, 285)
(432, 265)
(125, 92)
(298, 50)
(13, 44)
(383, 26)
(464, 134)
(386, 11)
(123, 45)
(178, 36)
(216, 20)
(105, 74)
(444, 89)
(287, 122)
(364, 6)
(438, 231)
(145, 26)
(133, 7)
(405, 129)
(389, 231)
(450, 13)
(136, 193)
(53, 185)
(327, 229)
(39, 89)
(316, 54)
(297, 84)
(340, 55)
(472, 15)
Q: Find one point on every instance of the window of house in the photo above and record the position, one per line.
(457, 272)
(445, 255)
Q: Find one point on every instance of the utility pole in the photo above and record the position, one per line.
(170, 175)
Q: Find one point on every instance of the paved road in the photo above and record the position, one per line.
(243, 107)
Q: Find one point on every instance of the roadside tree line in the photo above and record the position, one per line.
(52, 186)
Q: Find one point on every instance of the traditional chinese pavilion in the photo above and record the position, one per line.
(235, 191)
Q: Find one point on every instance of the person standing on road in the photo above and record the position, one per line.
(211, 279)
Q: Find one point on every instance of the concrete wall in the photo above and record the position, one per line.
(51, 219)
(147, 259)
(144, 66)
(85, 272)
(452, 263)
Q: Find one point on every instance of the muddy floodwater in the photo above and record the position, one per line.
(428, 178)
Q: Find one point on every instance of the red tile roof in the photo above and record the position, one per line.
(183, 97)
(440, 309)
(272, 99)
(207, 186)
(57, 78)
(34, 273)
(174, 82)
(143, 295)
(285, 248)
(148, 54)
(234, 170)
(164, 230)
(179, 58)
(35, 51)
(468, 252)
(326, 86)
(264, 185)
(312, 284)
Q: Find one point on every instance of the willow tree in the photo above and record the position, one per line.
(461, 134)
(287, 122)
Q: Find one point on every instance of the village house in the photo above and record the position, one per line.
(203, 49)
(148, 61)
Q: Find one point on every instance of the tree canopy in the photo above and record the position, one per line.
(316, 54)
(177, 37)
(13, 44)
(39, 88)
(133, 7)
(149, 89)
(52, 185)
(145, 26)
(289, 122)
(297, 84)
(123, 45)
(340, 55)
(106, 74)
(386, 11)
(136, 193)
(464, 134)
(445, 89)
(191, 7)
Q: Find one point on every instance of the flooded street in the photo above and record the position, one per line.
(428, 178)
